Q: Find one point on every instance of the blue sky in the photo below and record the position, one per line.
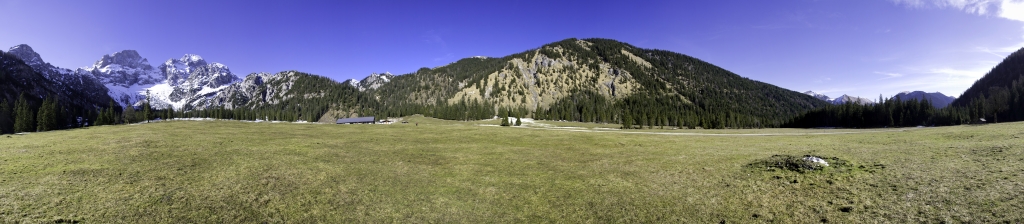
(862, 48)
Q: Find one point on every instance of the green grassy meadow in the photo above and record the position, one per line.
(444, 172)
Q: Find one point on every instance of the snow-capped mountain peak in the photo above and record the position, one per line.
(353, 82)
(191, 78)
(852, 99)
(124, 73)
(840, 100)
(125, 58)
(178, 70)
(819, 96)
(193, 59)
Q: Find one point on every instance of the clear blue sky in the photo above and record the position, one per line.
(862, 48)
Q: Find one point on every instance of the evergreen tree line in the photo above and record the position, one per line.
(25, 116)
(718, 97)
(644, 111)
(676, 90)
(1001, 105)
(891, 113)
(997, 97)
(998, 104)
(29, 101)
(506, 121)
(463, 111)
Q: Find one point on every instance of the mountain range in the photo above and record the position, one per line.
(597, 80)
(841, 99)
(937, 99)
(127, 76)
(588, 80)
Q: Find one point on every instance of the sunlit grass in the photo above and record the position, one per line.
(443, 171)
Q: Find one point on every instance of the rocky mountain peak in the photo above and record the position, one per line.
(125, 58)
(841, 99)
(373, 81)
(352, 82)
(123, 69)
(178, 71)
(193, 77)
(25, 53)
(192, 60)
(819, 96)
(852, 99)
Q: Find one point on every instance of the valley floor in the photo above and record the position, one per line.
(441, 171)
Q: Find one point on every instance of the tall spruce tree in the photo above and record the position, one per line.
(504, 119)
(108, 115)
(24, 118)
(146, 113)
(129, 115)
(45, 116)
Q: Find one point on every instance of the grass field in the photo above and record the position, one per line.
(442, 172)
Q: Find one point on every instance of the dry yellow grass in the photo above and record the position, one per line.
(440, 171)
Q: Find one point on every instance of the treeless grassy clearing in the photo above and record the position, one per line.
(442, 171)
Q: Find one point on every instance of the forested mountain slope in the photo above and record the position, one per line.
(24, 92)
(289, 95)
(996, 97)
(593, 80)
(999, 95)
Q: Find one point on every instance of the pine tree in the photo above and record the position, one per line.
(145, 110)
(24, 118)
(101, 119)
(45, 117)
(519, 121)
(129, 115)
(504, 119)
(627, 120)
(109, 117)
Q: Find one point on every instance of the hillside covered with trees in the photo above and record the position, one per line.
(594, 80)
(31, 102)
(996, 97)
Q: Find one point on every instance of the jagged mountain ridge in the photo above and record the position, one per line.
(177, 83)
(124, 69)
(546, 81)
(819, 96)
(841, 99)
(126, 76)
(852, 99)
(304, 96)
(68, 84)
(371, 82)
